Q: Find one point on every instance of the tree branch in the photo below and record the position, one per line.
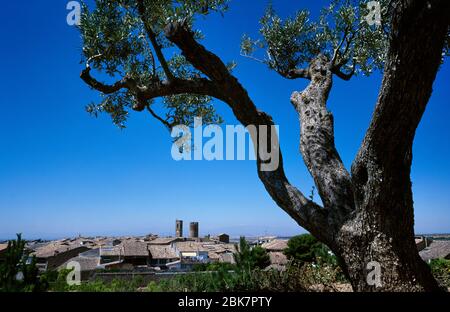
(336, 67)
(290, 74)
(338, 72)
(164, 122)
(102, 87)
(338, 48)
(297, 73)
(199, 86)
(152, 36)
(308, 214)
(317, 143)
(252, 58)
(176, 86)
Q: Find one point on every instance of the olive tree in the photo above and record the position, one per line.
(366, 213)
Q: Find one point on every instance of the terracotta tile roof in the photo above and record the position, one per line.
(135, 248)
(219, 248)
(3, 247)
(86, 264)
(275, 245)
(54, 248)
(190, 246)
(162, 252)
(163, 240)
(127, 248)
(110, 251)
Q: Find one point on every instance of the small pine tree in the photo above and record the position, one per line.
(242, 257)
(251, 258)
(260, 257)
(18, 272)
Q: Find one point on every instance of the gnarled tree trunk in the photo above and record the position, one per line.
(371, 212)
(367, 216)
(367, 236)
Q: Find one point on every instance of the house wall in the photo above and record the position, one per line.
(137, 260)
(189, 254)
(224, 238)
(157, 262)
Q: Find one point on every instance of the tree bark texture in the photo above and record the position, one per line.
(367, 215)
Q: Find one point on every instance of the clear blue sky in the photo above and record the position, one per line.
(63, 172)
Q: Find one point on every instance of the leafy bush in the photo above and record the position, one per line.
(441, 271)
(295, 278)
(57, 280)
(116, 285)
(251, 258)
(214, 266)
(306, 248)
(303, 248)
(260, 257)
(18, 272)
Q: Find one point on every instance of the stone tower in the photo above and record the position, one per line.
(179, 228)
(193, 230)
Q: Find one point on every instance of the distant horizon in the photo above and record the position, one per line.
(166, 234)
(235, 236)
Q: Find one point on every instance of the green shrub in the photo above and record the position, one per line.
(116, 285)
(441, 271)
(154, 287)
(303, 248)
(260, 257)
(213, 266)
(296, 277)
(18, 272)
(251, 258)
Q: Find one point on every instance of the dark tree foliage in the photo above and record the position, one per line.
(303, 248)
(341, 34)
(248, 258)
(122, 42)
(260, 257)
(18, 272)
